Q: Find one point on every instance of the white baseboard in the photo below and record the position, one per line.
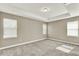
(64, 41)
(22, 43)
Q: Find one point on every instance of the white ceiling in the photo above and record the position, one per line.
(33, 10)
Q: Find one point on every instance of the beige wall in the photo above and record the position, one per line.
(28, 30)
(58, 30)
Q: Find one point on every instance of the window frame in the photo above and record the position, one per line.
(16, 28)
(44, 27)
(69, 35)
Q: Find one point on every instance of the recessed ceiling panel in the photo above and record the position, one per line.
(55, 9)
(42, 11)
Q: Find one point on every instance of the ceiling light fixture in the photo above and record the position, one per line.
(45, 9)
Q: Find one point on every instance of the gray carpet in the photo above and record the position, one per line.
(41, 48)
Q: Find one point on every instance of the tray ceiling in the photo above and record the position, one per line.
(56, 11)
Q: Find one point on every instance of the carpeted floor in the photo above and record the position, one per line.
(41, 48)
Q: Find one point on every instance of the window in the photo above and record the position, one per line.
(44, 29)
(72, 28)
(9, 28)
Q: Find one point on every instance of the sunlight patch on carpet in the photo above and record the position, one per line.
(65, 48)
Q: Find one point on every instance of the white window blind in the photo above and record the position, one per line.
(9, 28)
(72, 28)
(44, 29)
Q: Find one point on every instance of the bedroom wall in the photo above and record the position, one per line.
(57, 31)
(28, 30)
